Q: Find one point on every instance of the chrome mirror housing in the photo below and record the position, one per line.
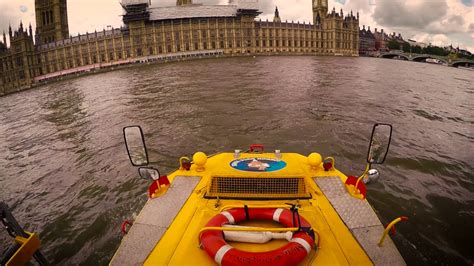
(149, 173)
(372, 176)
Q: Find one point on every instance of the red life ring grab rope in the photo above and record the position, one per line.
(291, 254)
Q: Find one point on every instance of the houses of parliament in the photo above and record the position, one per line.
(160, 34)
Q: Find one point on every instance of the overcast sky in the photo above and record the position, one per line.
(440, 22)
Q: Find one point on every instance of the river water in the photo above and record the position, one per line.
(65, 172)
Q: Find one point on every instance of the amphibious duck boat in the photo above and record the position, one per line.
(257, 208)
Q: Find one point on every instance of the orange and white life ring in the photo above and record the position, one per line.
(291, 254)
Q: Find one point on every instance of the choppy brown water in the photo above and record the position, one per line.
(65, 172)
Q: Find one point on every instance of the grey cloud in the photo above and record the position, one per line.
(400, 13)
(471, 27)
(456, 20)
(267, 7)
(358, 5)
(7, 16)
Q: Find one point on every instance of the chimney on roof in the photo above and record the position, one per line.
(368, 28)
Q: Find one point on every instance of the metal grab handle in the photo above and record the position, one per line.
(389, 226)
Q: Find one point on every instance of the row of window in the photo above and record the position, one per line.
(47, 17)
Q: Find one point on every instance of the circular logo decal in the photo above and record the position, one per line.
(258, 164)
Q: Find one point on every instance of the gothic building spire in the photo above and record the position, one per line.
(277, 18)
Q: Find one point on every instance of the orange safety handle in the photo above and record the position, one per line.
(124, 226)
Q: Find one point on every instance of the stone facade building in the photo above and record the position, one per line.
(51, 21)
(381, 40)
(166, 33)
(367, 41)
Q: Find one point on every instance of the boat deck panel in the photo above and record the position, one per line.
(153, 221)
(361, 220)
(355, 213)
(368, 238)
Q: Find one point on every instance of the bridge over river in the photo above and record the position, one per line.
(422, 57)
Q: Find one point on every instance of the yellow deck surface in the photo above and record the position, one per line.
(180, 243)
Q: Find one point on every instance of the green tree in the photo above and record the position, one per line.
(406, 47)
(393, 45)
(416, 49)
(435, 50)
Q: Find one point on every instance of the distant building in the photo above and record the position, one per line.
(464, 52)
(366, 41)
(381, 40)
(153, 33)
(451, 49)
(398, 38)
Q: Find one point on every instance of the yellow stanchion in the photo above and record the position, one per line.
(389, 226)
(360, 179)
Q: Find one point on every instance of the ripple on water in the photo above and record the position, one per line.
(427, 115)
(65, 170)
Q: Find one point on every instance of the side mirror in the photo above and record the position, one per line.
(149, 173)
(372, 176)
(379, 143)
(135, 143)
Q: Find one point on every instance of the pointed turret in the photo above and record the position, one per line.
(4, 39)
(277, 18)
(31, 30)
(10, 33)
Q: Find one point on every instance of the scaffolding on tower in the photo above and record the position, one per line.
(135, 10)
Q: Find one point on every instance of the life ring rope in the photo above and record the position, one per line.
(300, 245)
